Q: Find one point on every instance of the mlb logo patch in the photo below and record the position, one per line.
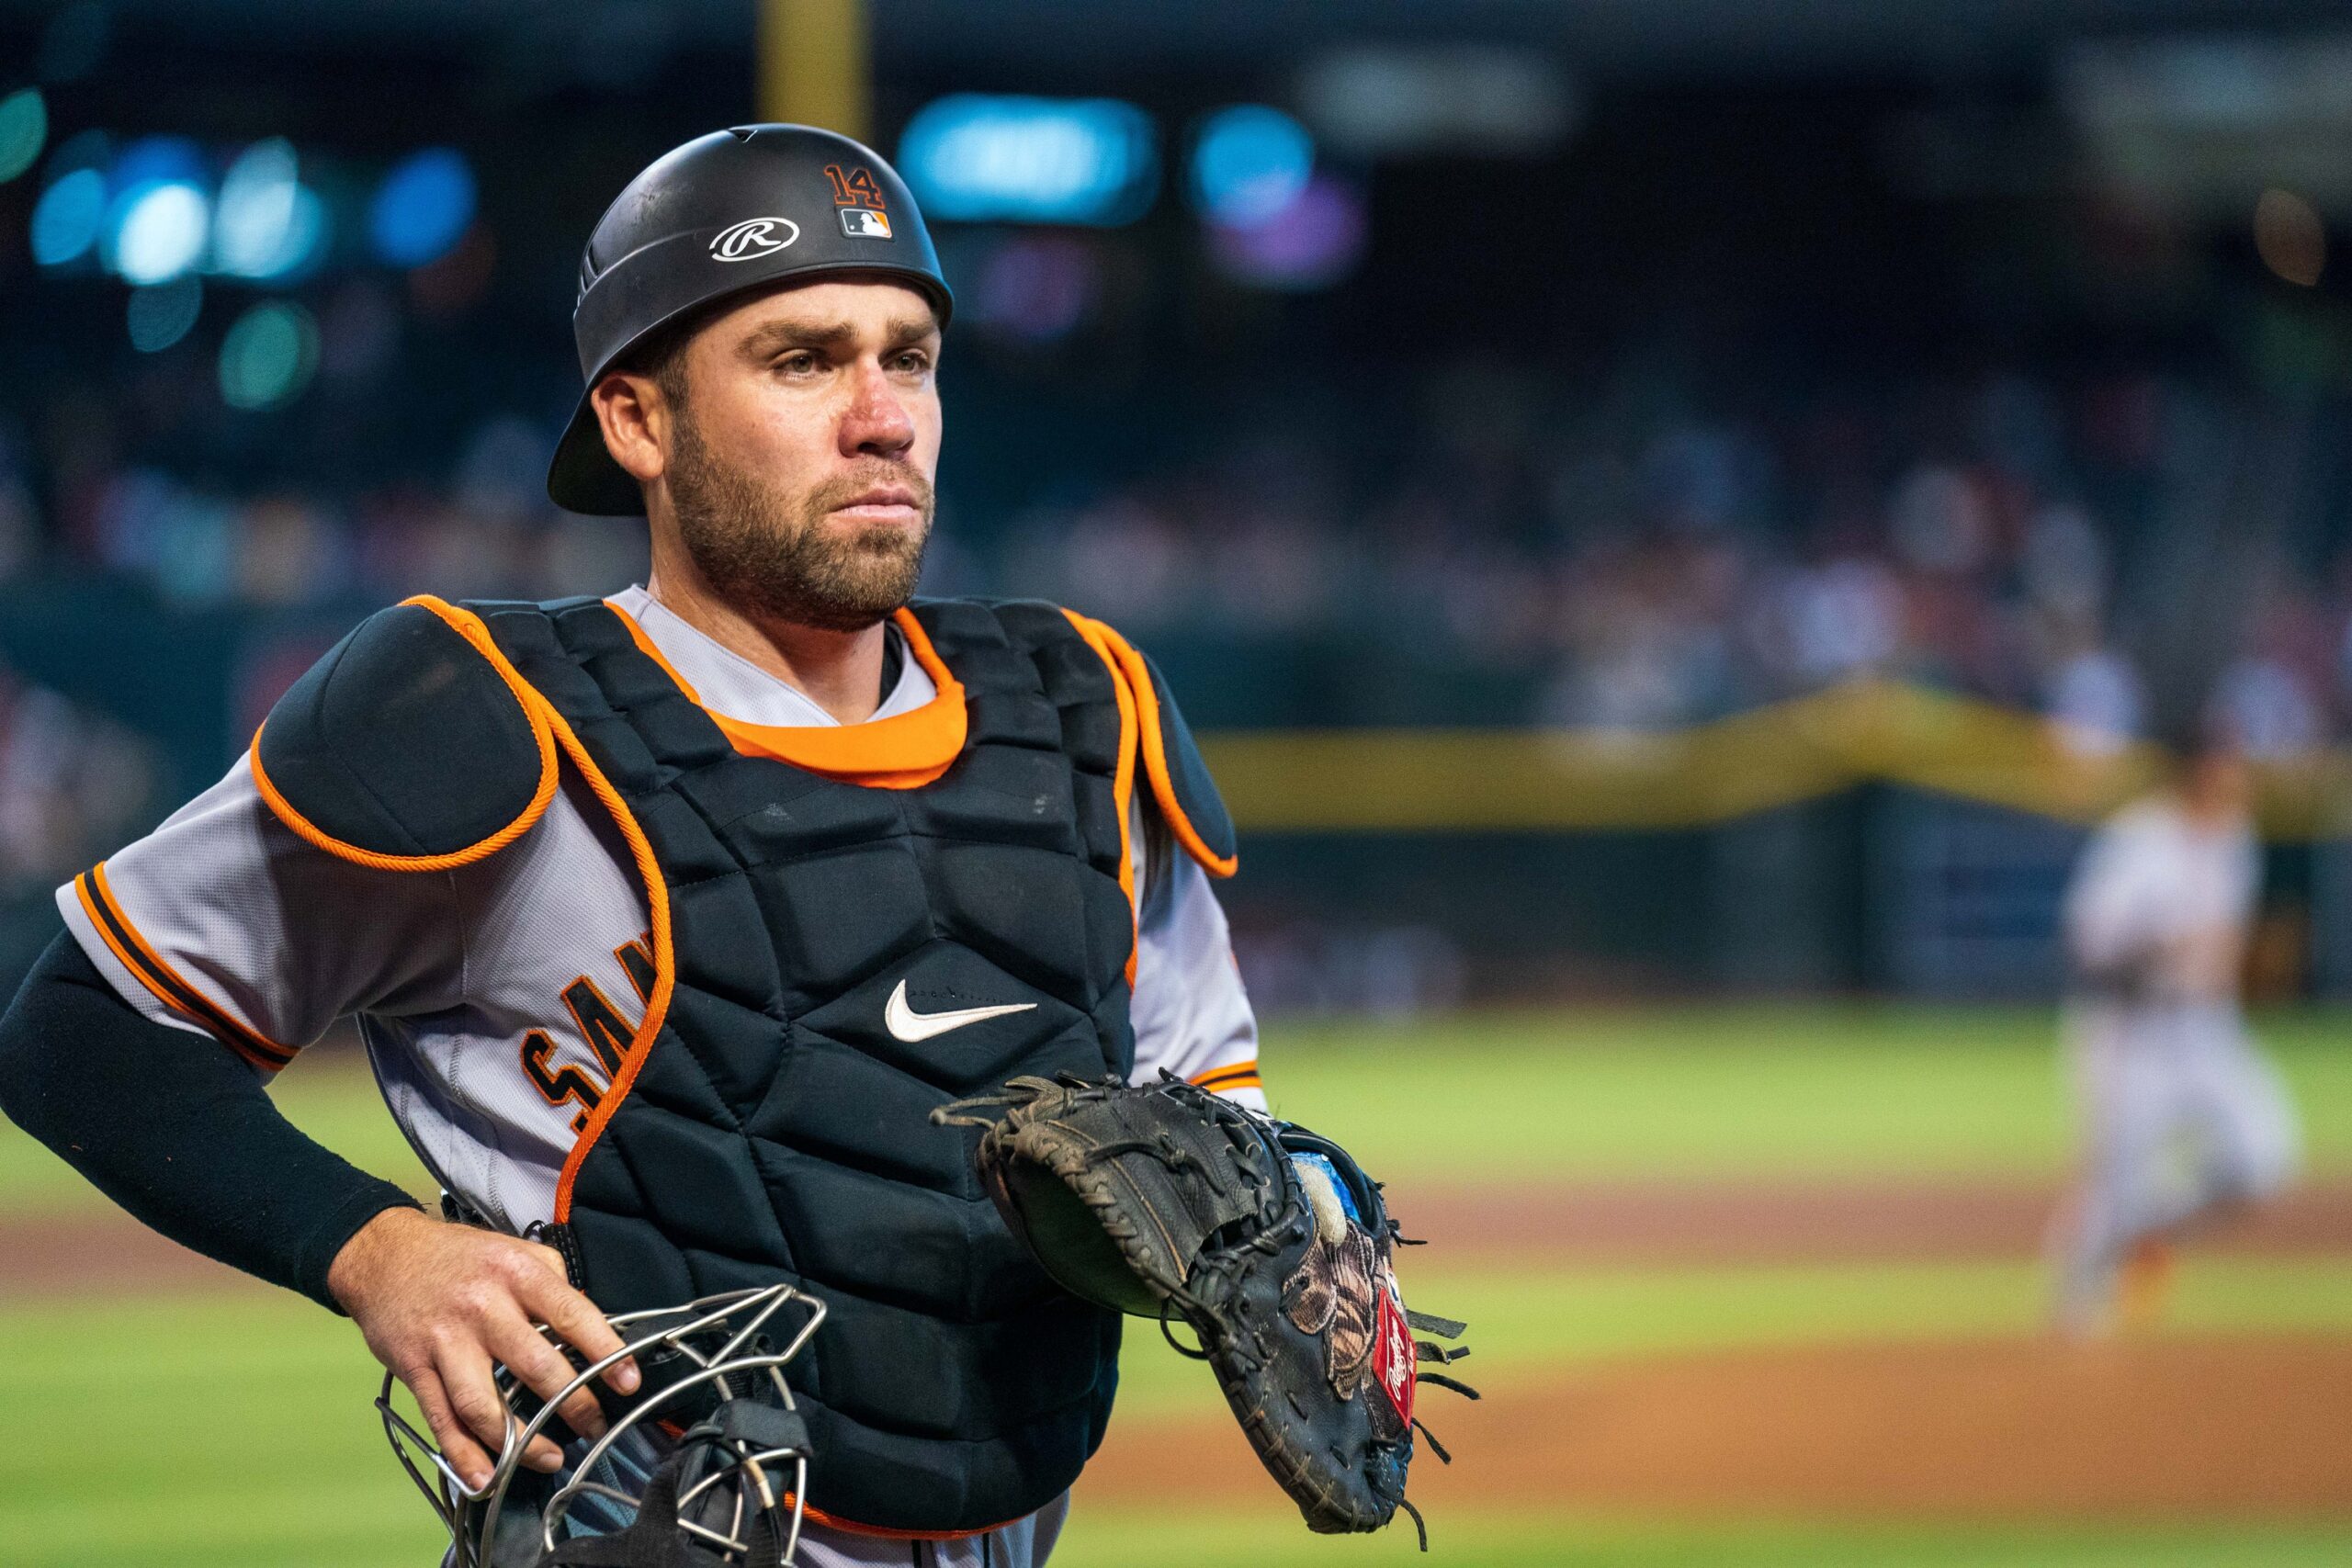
(863, 223)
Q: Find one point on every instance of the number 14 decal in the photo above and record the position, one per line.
(855, 187)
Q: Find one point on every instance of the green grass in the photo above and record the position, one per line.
(1533, 1323)
(196, 1432)
(1811, 1090)
(233, 1429)
(1795, 1090)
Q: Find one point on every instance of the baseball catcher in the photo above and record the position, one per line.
(1165, 1201)
(668, 918)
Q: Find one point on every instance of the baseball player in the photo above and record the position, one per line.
(668, 918)
(2182, 1115)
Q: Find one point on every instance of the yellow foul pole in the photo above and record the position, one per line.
(814, 68)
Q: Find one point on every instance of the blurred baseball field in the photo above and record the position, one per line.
(1750, 1286)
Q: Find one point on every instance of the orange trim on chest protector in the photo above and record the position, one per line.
(906, 750)
(1123, 780)
(1155, 753)
(545, 717)
(468, 626)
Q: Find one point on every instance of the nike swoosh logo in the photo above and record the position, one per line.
(910, 1026)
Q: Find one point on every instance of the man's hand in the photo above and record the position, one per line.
(440, 1303)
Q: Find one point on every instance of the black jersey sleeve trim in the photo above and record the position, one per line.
(151, 970)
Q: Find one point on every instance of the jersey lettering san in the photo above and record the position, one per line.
(604, 1031)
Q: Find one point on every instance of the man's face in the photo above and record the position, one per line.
(800, 462)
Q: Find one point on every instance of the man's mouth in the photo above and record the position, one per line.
(882, 503)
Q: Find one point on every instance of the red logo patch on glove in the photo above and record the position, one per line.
(1395, 1361)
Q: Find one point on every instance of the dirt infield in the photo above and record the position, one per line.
(96, 1252)
(2220, 1428)
(1518, 1226)
(2172, 1427)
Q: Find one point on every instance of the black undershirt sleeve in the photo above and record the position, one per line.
(177, 1129)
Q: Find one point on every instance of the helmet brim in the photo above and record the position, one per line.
(583, 477)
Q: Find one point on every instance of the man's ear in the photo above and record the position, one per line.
(635, 420)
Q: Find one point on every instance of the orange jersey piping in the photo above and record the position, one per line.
(657, 891)
(906, 750)
(883, 1532)
(1233, 1075)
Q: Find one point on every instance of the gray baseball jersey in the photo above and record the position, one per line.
(2180, 1110)
(480, 991)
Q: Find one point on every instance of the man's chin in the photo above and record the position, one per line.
(852, 606)
(843, 618)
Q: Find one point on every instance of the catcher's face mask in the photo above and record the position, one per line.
(707, 1467)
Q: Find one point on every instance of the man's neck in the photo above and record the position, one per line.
(839, 672)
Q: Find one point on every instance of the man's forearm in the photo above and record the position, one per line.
(176, 1129)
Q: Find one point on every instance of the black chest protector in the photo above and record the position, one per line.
(840, 959)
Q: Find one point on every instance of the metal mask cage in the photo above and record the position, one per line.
(735, 1368)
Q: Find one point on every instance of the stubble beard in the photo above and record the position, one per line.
(769, 552)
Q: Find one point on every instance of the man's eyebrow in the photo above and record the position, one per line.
(775, 338)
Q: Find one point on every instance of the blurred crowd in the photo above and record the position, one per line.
(1490, 547)
(1651, 569)
(485, 531)
(74, 785)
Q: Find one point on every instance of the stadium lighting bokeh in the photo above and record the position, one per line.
(1037, 287)
(1249, 163)
(82, 150)
(176, 160)
(268, 356)
(23, 130)
(1023, 160)
(66, 218)
(158, 232)
(422, 209)
(268, 225)
(1311, 243)
(160, 316)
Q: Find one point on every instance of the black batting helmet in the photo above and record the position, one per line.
(726, 214)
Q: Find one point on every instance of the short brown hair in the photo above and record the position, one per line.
(660, 355)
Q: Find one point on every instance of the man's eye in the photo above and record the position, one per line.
(799, 364)
(914, 362)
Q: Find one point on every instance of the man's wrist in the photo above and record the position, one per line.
(322, 1278)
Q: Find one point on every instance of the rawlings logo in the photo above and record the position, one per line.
(753, 238)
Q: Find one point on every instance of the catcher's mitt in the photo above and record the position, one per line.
(1165, 1200)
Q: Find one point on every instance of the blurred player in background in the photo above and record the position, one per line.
(2182, 1115)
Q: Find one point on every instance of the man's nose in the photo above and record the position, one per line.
(877, 421)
